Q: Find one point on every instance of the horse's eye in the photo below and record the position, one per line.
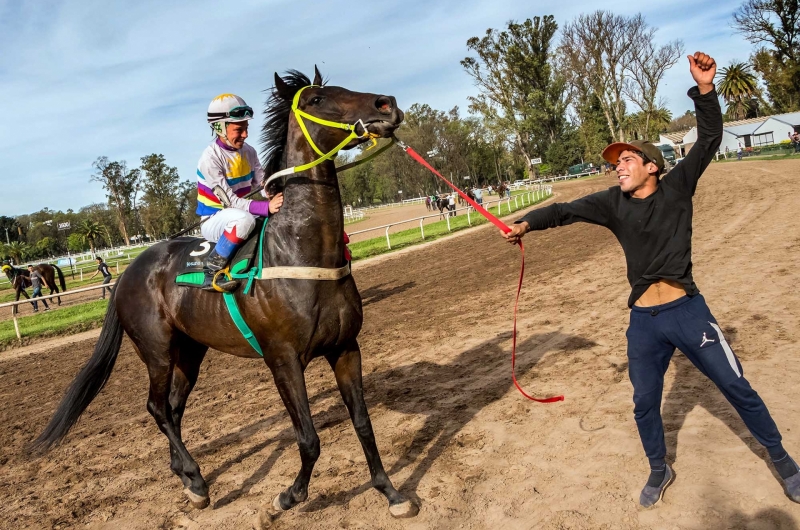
(316, 100)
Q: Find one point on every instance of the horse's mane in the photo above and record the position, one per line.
(276, 125)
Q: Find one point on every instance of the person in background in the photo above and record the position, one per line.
(739, 152)
(102, 268)
(479, 194)
(36, 282)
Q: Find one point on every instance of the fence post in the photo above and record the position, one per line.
(421, 230)
(515, 203)
(388, 245)
(118, 268)
(81, 274)
(16, 324)
(469, 221)
(448, 222)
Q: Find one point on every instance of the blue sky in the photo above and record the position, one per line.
(82, 79)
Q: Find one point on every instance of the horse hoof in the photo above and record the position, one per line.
(276, 503)
(198, 501)
(404, 510)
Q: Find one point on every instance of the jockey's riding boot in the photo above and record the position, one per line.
(215, 263)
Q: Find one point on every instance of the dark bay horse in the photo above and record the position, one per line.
(21, 278)
(293, 320)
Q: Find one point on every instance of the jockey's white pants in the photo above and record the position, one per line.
(234, 223)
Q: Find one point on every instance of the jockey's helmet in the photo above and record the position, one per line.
(227, 108)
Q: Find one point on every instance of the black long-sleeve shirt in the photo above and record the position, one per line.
(655, 232)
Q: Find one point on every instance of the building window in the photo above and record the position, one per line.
(763, 139)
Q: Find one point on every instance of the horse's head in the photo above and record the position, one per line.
(323, 116)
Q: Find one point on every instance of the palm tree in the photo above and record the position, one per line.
(90, 231)
(17, 250)
(737, 86)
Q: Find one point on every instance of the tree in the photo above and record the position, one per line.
(595, 57)
(520, 91)
(90, 231)
(122, 187)
(160, 211)
(774, 26)
(76, 242)
(683, 123)
(649, 63)
(737, 85)
(17, 250)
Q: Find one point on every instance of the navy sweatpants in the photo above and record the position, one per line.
(686, 324)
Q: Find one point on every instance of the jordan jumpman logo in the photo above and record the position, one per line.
(705, 339)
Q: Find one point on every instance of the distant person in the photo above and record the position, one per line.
(739, 152)
(796, 142)
(102, 268)
(727, 150)
(451, 204)
(652, 220)
(479, 194)
(36, 282)
(428, 203)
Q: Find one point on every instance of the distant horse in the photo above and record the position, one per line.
(293, 321)
(442, 203)
(501, 189)
(48, 272)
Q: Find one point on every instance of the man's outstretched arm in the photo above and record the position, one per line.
(709, 124)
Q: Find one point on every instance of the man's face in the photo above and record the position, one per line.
(237, 133)
(633, 172)
(30, 268)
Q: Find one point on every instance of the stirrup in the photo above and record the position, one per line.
(225, 273)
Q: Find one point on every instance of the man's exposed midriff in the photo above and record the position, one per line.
(661, 292)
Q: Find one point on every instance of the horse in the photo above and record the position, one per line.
(47, 271)
(293, 320)
(443, 203)
(501, 189)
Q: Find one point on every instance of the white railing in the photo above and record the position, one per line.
(532, 196)
(38, 299)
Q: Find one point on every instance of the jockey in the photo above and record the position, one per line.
(228, 170)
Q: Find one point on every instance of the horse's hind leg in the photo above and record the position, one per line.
(184, 377)
(347, 368)
(159, 356)
(291, 385)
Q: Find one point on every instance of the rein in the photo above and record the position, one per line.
(502, 226)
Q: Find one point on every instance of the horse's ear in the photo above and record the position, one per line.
(282, 88)
(317, 77)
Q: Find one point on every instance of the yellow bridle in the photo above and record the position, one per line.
(300, 115)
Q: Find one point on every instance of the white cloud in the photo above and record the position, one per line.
(81, 79)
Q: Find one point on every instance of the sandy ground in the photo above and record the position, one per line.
(454, 433)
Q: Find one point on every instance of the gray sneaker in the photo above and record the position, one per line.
(793, 487)
(651, 495)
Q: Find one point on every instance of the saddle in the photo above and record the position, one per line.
(243, 264)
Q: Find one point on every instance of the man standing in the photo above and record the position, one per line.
(36, 282)
(102, 268)
(652, 220)
(478, 195)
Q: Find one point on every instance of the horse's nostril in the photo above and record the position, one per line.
(384, 104)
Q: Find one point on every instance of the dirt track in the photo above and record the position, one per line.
(453, 431)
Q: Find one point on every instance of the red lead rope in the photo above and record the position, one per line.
(502, 226)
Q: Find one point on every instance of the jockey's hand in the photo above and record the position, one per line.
(517, 231)
(275, 203)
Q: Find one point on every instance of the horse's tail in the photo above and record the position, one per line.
(87, 384)
(60, 277)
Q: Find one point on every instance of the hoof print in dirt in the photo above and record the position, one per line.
(265, 517)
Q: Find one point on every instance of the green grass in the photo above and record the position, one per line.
(62, 321)
(412, 236)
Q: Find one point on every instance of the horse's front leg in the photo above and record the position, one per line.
(290, 380)
(347, 368)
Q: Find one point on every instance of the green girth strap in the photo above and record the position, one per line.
(241, 325)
